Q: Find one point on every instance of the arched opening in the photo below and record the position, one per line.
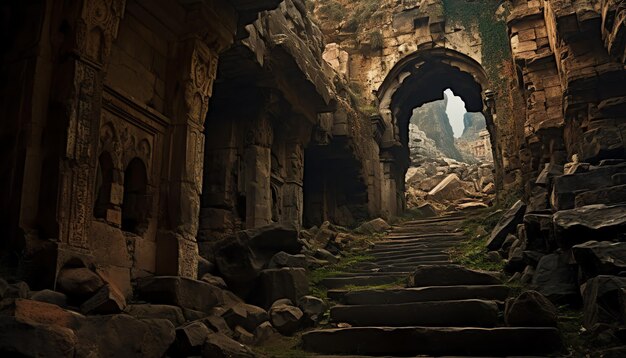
(413, 101)
(104, 180)
(135, 204)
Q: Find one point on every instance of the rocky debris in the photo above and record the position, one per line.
(62, 333)
(530, 309)
(106, 301)
(79, 283)
(218, 345)
(313, 308)
(264, 332)
(179, 291)
(539, 231)
(567, 187)
(449, 189)
(376, 226)
(243, 336)
(326, 256)
(287, 282)
(556, 279)
(240, 259)
(578, 225)
(435, 187)
(449, 275)
(600, 258)
(283, 259)
(245, 315)
(285, 317)
(507, 225)
(214, 280)
(49, 296)
(189, 340)
(217, 324)
(205, 267)
(603, 301)
(44, 340)
(173, 314)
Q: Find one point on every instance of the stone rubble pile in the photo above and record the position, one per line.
(567, 241)
(175, 316)
(448, 185)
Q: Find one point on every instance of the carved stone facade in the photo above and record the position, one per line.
(106, 151)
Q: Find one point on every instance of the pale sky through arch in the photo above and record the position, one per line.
(456, 111)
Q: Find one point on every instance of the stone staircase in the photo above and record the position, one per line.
(437, 309)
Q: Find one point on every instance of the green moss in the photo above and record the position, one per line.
(318, 275)
(281, 347)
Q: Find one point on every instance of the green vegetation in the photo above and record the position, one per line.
(496, 53)
(316, 276)
(472, 252)
(400, 283)
(281, 347)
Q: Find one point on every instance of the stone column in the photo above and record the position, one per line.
(79, 85)
(258, 162)
(196, 70)
(293, 195)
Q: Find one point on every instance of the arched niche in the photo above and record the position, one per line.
(135, 206)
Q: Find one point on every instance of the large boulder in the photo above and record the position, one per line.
(123, 336)
(600, 258)
(189, 340)
(49, 296)
(601, 300)
(286, 318)
(507, 225)
(107, 300)
(173, 314)
(118, 335)
(291, 283)
(578, 225)
(375, 226)
(241, 258)
(179, 291)
(539, 231)
(313, 308)
(449, 189)
(79, 283)
(218, 345)
(530, 309)
(566, 187)
(283, 259)
(244, 315)
(556, 279)
(450, 275)
(25, 338)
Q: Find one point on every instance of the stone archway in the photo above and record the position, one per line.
(419, 78)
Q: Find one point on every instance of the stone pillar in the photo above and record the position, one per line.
(388, 197)
(79, 86)
(293, 196)
(196, 70)
(258, 162)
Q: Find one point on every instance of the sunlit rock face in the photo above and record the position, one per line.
(432, 119)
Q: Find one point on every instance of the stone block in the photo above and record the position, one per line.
(291, 283)
(179, 291)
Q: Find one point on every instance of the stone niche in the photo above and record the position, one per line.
(126, 194)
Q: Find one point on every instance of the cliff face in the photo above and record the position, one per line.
(473, 123)
(432, 119)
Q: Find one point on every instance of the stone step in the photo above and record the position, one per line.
(418, 250)
(428, 235)
(415, 262)
(420, 294)
(462, 313)
(412, 258)
(408, 253)
(450, 275)
(417, 245)
(450, 218)
(369, 280)
(499, 341)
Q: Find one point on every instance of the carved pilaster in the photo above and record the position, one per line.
(96, 28)
(197, 68)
